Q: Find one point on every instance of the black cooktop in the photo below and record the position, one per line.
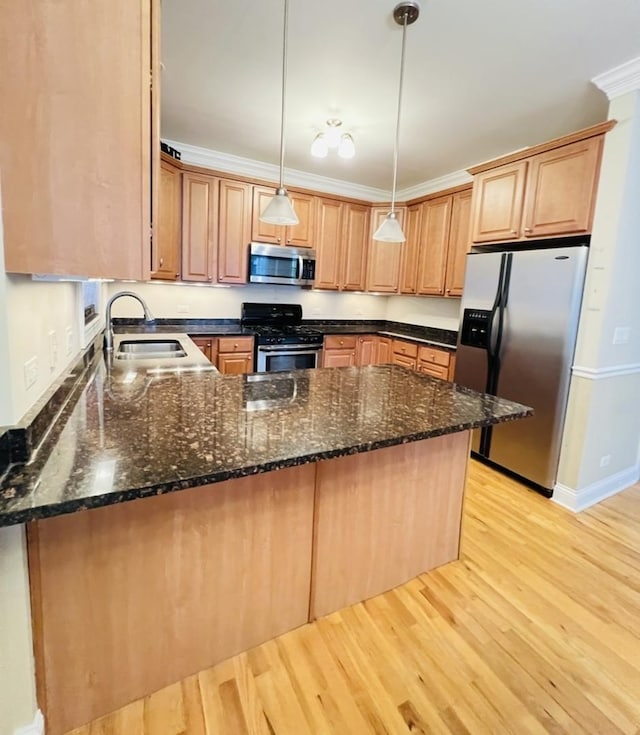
(278, 324)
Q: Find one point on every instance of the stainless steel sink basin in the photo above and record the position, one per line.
(147, 349)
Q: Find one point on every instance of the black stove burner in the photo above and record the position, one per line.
(278, 324)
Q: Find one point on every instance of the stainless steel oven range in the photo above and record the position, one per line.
(281, 341)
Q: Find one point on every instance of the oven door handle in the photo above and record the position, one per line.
(289, 348)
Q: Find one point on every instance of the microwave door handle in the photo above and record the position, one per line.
(300, 266)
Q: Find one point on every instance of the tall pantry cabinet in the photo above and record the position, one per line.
(79, 136)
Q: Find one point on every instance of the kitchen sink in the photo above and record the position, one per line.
(146, 349)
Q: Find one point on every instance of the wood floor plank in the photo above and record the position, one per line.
(536, 629)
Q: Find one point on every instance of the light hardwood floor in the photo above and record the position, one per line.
(536, 629)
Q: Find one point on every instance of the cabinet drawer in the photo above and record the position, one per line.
(235, 344)
(340, 341)
(434, 356)
(408, 349)
(437, 371)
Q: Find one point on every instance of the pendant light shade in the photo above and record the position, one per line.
(390, 230)
(404, 14)
(280, 210)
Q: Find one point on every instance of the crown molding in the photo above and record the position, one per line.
(619, 80)
(219, 161)
(448, 181)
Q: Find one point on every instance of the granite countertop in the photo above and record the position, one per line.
(444, 338)
(116, 441)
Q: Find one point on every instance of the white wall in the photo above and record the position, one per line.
(602, 429)
(17, 673)
(427, 311)
(168, 300)
(33, 311)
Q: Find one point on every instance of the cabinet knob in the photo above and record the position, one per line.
(341, 341)
(278, 239)
(235, 346)
(527, 229)
(161, 262)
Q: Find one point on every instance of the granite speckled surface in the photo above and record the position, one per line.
(220, 327)
(117, 441)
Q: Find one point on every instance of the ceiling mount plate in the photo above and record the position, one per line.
(406, 12)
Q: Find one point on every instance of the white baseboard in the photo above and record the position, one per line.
(577, 500)
(35, 728)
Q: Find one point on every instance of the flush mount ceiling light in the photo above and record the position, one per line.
(331, 138)
(280, 210)
(404, 14)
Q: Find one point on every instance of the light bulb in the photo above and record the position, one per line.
(319, 147)
(346, 149)
(332, 133)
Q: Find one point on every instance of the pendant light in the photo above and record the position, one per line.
(280, 210)
(404, 14)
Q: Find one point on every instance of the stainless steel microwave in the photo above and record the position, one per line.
(281, 264)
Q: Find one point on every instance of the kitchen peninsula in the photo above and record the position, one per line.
(301, 493)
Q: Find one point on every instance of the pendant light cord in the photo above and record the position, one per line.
(397, 142)
(284, 84)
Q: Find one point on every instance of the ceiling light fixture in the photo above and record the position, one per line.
(404, 14)
(331, 138)
(280, 210)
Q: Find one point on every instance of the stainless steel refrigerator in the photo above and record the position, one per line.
(520, 311)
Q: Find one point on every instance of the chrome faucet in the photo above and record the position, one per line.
(108, 331)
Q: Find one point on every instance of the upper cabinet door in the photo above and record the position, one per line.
(497, 203)
(354, 255)
(302, 234)
(261, 231)
(561, 189)
(383, 270)
(436, 217)
(409, 266)
(328, 244)
(234, 222)
(76, 138)
(459, 243)
(165, 257)
(199, 198)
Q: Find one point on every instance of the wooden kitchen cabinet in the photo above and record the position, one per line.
(383, 351)
(199, 226)
(300, 235)
(328, 244)
(342, 233)
(434, 243)
(409, 264)
(383, 269)
(208, 345)
(434, 362)
(355, 236)
(76, 128)
(404, 353)
(167, 239)
(366, 349)
(235, 355)
(550, 193)
(234, 231)
(459, 243)
(339, 350)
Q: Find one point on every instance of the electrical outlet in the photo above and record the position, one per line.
(605, 460)
(183, 308)
(621, 335)
(53, 349)
(68, 335)
(30, 372)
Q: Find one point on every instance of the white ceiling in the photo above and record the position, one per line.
(481, 78)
